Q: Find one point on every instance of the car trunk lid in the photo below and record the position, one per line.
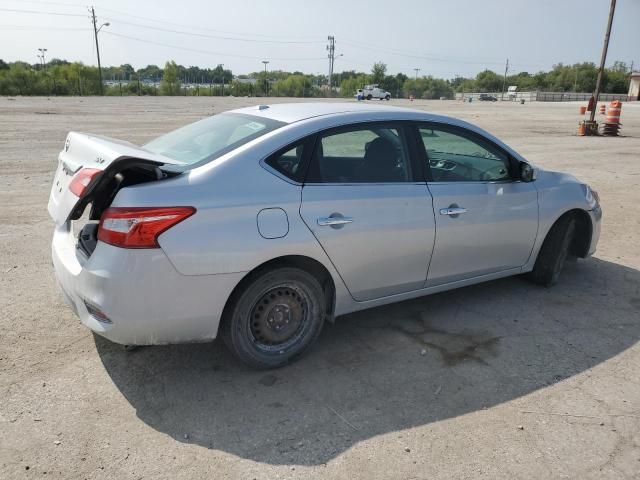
(93, 162)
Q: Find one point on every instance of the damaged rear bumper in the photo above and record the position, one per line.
(136, 296)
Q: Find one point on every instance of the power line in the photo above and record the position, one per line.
(205, 35)
(37, 27)
(420, 56)
(205, 52)
(39, 12)
(207, 29)
(40, 2)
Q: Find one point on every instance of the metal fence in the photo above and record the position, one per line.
(576, 96)
(547, 96)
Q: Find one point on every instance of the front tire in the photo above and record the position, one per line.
(275, 318)
(369, 97)
(553, 252)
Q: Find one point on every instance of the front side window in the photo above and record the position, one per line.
(211, 138)
(368, 154)
(454, 157)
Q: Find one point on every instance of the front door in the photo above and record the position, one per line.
(486, 219)
(365, 205)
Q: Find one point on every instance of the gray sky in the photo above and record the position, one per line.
(442, 38)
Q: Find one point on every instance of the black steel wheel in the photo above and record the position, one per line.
(275, 317)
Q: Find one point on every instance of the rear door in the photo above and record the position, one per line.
(486, 219)
(364, 202)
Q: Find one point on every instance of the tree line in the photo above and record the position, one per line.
(60, 77)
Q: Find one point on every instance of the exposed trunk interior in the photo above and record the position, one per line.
(118, 175)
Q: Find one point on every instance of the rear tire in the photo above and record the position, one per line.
(553, 253)
(275, 318)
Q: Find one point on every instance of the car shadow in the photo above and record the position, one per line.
(385, 369)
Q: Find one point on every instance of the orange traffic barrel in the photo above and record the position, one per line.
(583, 110)
(582, 129)
(603, 109)
(613, 112)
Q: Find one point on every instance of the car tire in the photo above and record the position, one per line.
(387, 98)
(369, 97)
(553, 253)
(276, 317)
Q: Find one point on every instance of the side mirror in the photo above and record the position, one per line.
(527, 172)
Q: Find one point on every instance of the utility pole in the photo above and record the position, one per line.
(504, 80)
(95, 33)
(266, 83)
(603, 59)
(221, 65)
(416, 70)
(332, 49)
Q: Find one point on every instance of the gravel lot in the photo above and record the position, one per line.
(500, 380)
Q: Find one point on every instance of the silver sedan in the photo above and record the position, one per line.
(262, 223)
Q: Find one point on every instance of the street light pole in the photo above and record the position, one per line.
(41, 57)
(416, 70)
(266, 84)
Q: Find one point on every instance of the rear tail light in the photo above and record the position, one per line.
(139, 227)
(82, 179)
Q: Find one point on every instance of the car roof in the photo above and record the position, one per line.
(295, 112)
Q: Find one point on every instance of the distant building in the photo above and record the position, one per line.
(634, 87)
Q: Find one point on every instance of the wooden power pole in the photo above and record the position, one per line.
(603, 58)
(95, 33)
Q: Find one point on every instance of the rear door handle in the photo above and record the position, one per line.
(452, 211)
(331, 221)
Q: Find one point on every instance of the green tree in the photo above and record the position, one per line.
(378, 72)
(170, 84)
(293, 86)
(488, 81)
(617, 78)
(428, 88)
(349, 85)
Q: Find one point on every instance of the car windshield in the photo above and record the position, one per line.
(212, 137)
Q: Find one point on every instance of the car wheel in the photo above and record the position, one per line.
(369, 97)
(553, 253)
(275, 318)
(387, 97)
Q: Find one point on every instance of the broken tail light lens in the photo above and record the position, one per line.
(82, 179)
(139, 227)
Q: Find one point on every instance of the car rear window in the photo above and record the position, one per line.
(212, 137)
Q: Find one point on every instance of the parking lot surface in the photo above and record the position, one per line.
(499, 380)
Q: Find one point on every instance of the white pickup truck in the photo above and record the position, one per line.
(373, 91)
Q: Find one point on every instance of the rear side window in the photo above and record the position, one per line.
(367, 154)
(289, 162)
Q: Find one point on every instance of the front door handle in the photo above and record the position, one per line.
(334, 221)
(453, 211)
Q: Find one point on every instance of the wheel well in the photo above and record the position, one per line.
(307, 264)
(582, 238)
